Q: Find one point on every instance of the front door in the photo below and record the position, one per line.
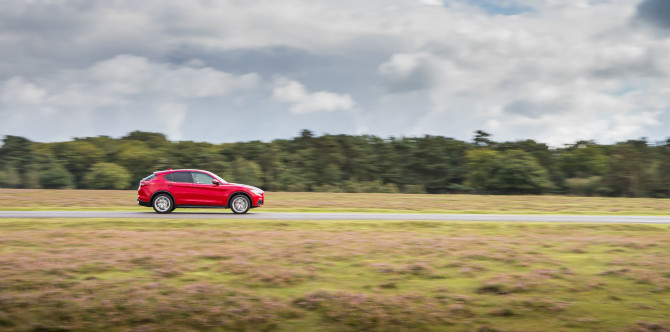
(208, 193)
(181, 185)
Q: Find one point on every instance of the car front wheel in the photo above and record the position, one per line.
(163, 203)
(240, 204)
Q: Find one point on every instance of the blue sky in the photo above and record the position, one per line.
(224, 71)
(498, 7)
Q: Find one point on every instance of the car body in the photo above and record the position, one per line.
(194, 188)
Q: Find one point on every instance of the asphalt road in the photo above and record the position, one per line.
(224, 214)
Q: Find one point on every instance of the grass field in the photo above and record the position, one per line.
(35, 199)
(251, 275)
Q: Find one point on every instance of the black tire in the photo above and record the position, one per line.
(163, 203)
(240, 204)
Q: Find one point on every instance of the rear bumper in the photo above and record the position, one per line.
(143, 203)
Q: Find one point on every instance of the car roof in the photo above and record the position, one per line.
(181, 170)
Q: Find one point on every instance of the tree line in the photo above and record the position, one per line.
(345, 163)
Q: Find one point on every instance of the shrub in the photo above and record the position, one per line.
(56, 177)
(460, 189)
(413, 189)
(375, 186)
(583, 186)
(31, 180)
(9, 178)
(390, 188)
(296, 187)
(328, 188)
(351, 186)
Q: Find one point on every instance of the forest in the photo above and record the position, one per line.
(346, 163)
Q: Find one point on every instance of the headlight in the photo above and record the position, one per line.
(257, 191)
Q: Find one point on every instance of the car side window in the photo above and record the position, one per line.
(202, 178)
(150, 177)
(180, 177)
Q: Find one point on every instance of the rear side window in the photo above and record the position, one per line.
(179, 177)
(150, 177)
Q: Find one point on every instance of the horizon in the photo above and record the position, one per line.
(385, 138)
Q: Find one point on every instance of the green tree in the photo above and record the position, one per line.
(18, 155)
(629, 170)
(108, 146)
(434, 162)
(480, 165)
(245, 171)
(583, 160)
(663, 169)
(518, 172)
(139, 159)
(482, 138)
(107, 176)
(152, 140)
(56, 177)
(544, 156)
(78, 157)
(189, 154)
(9, 178)
(271, 165)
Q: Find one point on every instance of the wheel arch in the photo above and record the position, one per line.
(162, 192)
(230, 198)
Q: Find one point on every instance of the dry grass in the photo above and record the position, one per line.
(31, 199)
(153, 275)
(52, 199)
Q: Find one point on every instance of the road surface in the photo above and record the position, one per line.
(340, 216)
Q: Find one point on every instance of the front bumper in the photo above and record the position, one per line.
(257, 200)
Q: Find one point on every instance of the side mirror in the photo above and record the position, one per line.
(216, 182)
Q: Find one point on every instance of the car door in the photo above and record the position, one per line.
(208, 193)
(181, 185)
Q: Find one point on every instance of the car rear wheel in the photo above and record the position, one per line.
(240, 204)
(163, 203)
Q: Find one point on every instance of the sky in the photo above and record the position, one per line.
(555, 71)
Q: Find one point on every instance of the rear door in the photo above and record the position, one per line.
(180, 184)
(209, 193)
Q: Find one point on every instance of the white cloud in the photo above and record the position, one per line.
(17, 91)
(432, 2)
(555, 76)
(558, 71)
(305, 102)
(130, 87)
(172, 115)
(132, 75)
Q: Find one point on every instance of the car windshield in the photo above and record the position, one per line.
(219, 178)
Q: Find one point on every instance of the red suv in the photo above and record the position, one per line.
(193, 188)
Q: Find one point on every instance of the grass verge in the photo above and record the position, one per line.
(256, 275)
(125, 200)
